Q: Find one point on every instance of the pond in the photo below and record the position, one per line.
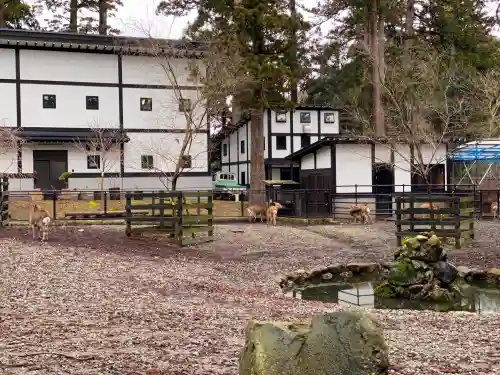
(475, 299)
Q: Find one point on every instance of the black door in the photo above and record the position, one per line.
(383, 189)
(48, 166)
(317, 196)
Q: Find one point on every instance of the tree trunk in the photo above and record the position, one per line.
(293, 53)
(378, 120)
(73, 16)
(257, 171)
(103, 17)
(3, 14)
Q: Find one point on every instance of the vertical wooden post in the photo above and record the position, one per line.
(471, 215)
(4, 203)
(128, 213)
(198, 202)
(456, 211)
(398, 220)
(210, 217)
(161, 196)
(54, 204)
(105, 202)
(412, 213)
(179, 235)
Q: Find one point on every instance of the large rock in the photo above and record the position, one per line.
(445, 272)
(341, 343)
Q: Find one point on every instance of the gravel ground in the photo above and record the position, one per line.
(98, 302)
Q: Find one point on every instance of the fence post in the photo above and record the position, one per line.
(398, 220)
(456, 204)
(412, 213)
(4, 203)
(54, 204)
(306, 203)
(356, 194)
(162, 208)
(105, 202)
(242, 207)
(210, 215)
(178, 223)
(480, 204)
(128, 213)
(471, 221)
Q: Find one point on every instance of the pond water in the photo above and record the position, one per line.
(479, 300)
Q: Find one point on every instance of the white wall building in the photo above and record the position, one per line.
(357, 170)
(284, 133)
(59, 90)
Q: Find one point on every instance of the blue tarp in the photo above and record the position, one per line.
(487, 151)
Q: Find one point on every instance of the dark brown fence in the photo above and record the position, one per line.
(447, 216)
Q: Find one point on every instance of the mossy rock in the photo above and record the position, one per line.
(384, 290)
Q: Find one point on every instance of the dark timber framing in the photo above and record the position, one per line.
(292, 113)
(333, 141)
(18, 40)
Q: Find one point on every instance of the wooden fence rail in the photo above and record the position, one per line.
(447, 216)
(176, 214)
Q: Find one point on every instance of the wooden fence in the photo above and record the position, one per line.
(4, 202)
(449, 217)
(177, 214)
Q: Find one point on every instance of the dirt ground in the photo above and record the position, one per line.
(19, 207)
(92, 301)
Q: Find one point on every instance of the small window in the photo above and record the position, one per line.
(93, 161)
(92, 102)
(146, 104)
(242, 147)
(49, 101)
(305, 140)
(184, 105)
(147, 162)
(187, 161)
(305, 117)
(243, 178)
(285, 174)
(224, 149)
(329, 118)
(280, 116)
(281, 142)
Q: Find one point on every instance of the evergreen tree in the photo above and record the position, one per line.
(17, 14)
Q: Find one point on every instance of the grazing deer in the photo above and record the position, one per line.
(255, 210)
(494, 210)
(360, 212)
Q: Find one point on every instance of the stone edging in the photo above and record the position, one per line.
(365, 271)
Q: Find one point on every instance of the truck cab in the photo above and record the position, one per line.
(225, 186)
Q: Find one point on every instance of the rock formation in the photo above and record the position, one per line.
(421, 272)
(341, 343)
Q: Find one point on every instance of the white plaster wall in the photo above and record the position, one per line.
(165, 113)
(70, 108)
(354, 167)
(77, 158)
(243, 167)
(382, 153)
(143, 183)
(233, 148)
(298, 127)
(433, 154)
(8, 109)
(324, 158)
(279, 127)
(68, 66)
(242, 136)
(281, 153)
(307, 162)
(21, 184)
(8, 161)
(327, 127)
(275, 173)
(402, 168)
(145, 70)
(165, 149)
(7, 63)
(225, 159)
